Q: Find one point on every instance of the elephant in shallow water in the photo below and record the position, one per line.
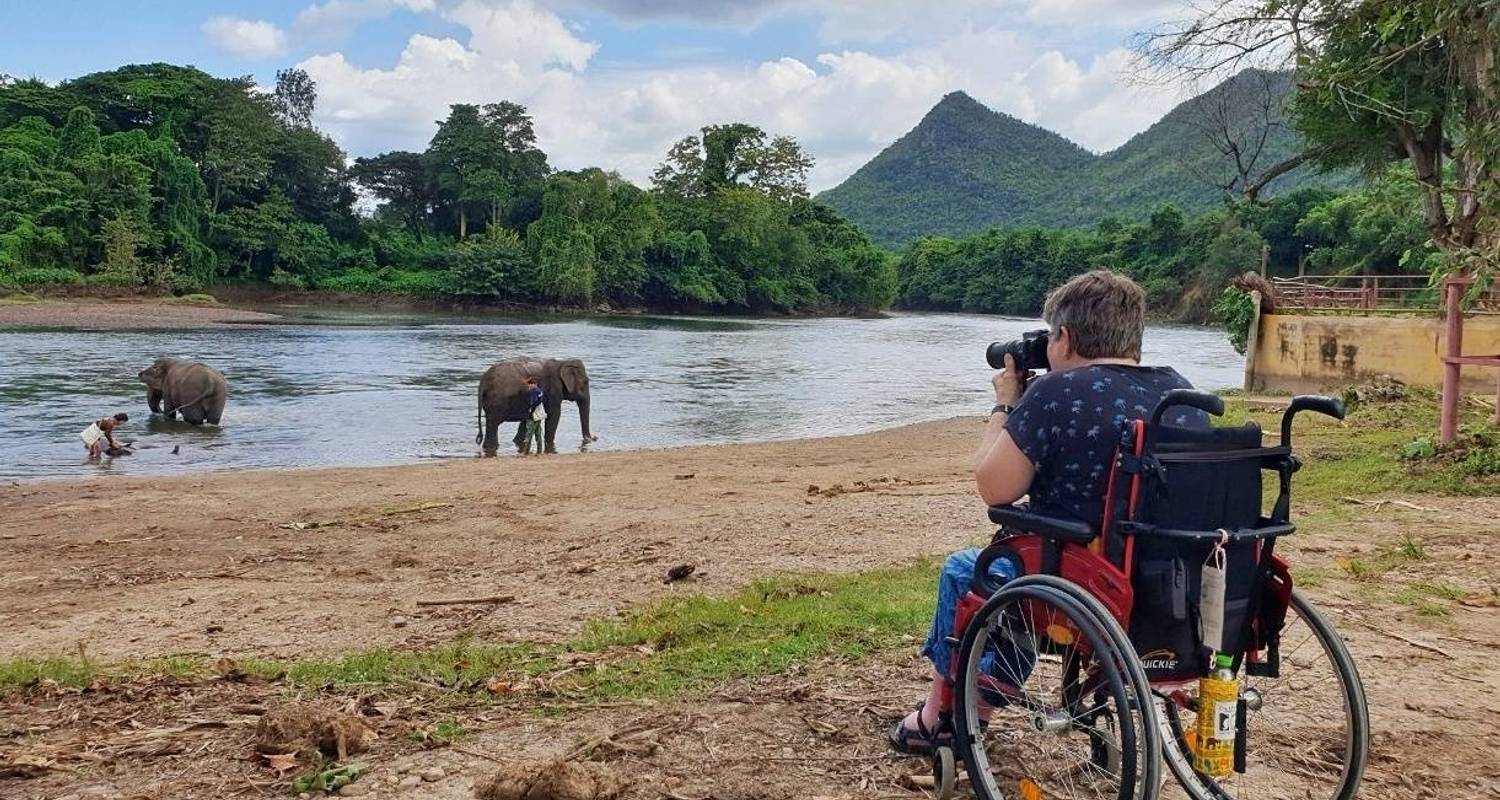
(196, 390)
(502, 398)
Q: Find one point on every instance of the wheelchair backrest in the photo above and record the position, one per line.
(1180, 479)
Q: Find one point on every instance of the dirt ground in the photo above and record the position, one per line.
(149, 566)
(122, 314)
(328, 561)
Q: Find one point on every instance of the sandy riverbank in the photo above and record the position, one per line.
(147, 566)
(232, 565)
(123, 314)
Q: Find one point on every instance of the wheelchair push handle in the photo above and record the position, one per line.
(1329, 406)
(1207, 402)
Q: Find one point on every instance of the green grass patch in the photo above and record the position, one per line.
(764, 629)
(664, 649)
(81, 672)
(443, 732)
(1373, 451)
(1311, 577)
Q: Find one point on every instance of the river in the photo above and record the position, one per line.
(359, 388)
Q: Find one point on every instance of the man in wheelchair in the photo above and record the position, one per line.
(1052, 437)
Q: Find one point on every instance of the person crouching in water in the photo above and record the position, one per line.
(100, 433)
(536, 414)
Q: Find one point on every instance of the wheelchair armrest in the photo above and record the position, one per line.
(1265, 529)
(1067, 530)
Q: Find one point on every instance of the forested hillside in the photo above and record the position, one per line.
(166, 178)
(1182, 262)
(965, 168)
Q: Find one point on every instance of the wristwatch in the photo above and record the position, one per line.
(1001, 408)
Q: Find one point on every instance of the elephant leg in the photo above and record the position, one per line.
(491, 431)
(550, 430)
(193, 415)
(520, 437)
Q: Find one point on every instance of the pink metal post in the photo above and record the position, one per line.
(1453, 347)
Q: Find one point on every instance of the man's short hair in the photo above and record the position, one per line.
(531, 382)
(122, 417)
(1104, 312)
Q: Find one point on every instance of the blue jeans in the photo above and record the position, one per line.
(953, 583)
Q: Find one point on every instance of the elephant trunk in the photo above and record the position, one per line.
(583, 417)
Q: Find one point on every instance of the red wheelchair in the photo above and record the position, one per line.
(1080, 678)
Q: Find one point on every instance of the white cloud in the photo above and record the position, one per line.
(246, 38)
(844, 106)
(335, 19)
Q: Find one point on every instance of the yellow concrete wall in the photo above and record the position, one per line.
(1311, 353)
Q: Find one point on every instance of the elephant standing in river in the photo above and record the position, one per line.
(197, 390)
(503, 398)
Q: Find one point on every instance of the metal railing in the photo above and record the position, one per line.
(1356, 293)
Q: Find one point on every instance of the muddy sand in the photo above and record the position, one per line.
(123, 314)
(329, 561)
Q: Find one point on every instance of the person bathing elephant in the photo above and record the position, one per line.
(196, 390)
(503, 397)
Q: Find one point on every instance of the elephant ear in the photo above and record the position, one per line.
(573, 377)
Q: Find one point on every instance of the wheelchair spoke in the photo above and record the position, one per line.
(1052, 710)
(1305, 729)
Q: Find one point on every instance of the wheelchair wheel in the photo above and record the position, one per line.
(1307, 730)
(1044, 704)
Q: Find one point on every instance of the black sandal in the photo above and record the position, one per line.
(920, 741)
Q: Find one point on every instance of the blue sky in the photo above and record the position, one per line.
(614, 82)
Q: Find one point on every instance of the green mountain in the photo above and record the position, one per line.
(965, 168)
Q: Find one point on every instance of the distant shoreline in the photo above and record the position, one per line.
(125, 314)
(235, 306)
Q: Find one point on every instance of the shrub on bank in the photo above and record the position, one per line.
(388, 281)
(47, 276)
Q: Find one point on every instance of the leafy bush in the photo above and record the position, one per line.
(282, 279)
(48, 276)
(489, 265)
(1236, 312)
(115, 279)
(182, 282)
(415, 282)
(357, 281)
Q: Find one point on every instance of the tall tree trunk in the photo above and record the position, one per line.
(1474, 47)
(1425, 149)
(463, 222)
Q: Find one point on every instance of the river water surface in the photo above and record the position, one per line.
(357, 388)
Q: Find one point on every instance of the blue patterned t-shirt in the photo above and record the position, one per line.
(1068, 424)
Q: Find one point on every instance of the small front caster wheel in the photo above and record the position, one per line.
(944, 772)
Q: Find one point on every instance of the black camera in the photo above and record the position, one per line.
(1029, 352)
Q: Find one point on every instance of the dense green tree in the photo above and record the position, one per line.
(295, 98)
(399, 179)
(479, 157)
(731, 155)
(237, 154)
(166, 177)
(1416, 81)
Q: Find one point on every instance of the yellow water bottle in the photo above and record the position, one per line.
(1218, 706)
